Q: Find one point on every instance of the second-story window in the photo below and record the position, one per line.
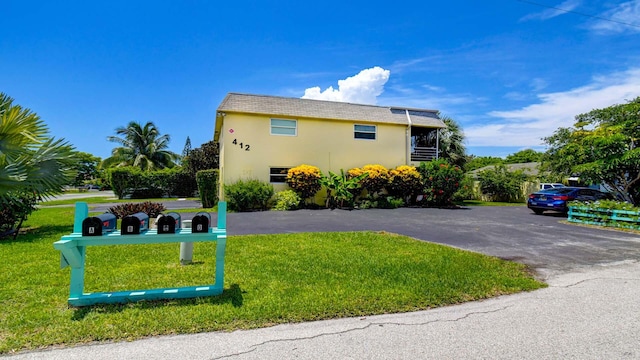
(367, 132)
(284, 127)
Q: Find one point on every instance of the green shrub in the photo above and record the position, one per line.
(14, 209)
(404, 182)
(501, 184)
(246, 195)
(208, 187)
(133, 182)
(150, 208)
(304, 180)
(286, 200)
(465, 191)
(441, 180)
(380, 202)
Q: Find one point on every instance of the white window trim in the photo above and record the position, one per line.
(283, 127)
(375, 132)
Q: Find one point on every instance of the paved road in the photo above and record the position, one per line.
(589, 311)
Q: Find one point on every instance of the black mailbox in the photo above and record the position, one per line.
(135, 224)
(201, 223)
(169, 223)
(98, 225)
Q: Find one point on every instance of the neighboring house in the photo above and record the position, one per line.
(262, 137)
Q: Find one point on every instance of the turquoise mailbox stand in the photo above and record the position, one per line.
(73, 252)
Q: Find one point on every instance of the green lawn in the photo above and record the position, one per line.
(270, 279)
(104, 200)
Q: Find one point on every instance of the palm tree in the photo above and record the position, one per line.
(30, 160)
(142, 147)
(451, 144)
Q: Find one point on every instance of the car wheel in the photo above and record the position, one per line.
(538, 212)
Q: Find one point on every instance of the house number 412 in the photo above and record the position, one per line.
(246, 147)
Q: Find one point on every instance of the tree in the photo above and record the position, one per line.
(187, 148)
(601, 147)
(86, 168)
(477, 162)
(142, 147)
(31, 160)
(205, 157)
(451, 143)
(523, 156)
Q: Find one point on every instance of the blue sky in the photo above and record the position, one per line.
(510, 72)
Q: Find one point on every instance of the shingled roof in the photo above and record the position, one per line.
(306, 108)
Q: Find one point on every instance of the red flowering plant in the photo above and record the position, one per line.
(440, 181)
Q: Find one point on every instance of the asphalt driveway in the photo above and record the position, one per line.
(513, 233)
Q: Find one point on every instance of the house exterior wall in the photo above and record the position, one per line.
(248, 150)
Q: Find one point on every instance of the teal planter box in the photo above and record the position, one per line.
(605, 217)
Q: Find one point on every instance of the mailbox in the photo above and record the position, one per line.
(135, 224)
(169, 223)
(201, 223)
(98, 225)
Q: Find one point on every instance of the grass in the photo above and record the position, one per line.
(104, 200)
(270, 279)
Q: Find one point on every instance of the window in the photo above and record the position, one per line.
(367, 132)
(278, 174)
(284, 127)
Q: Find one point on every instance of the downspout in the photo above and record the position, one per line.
(221, 151)
(437, 143)
(408, 139)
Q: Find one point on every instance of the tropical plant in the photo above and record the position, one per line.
(451, 143)
(305, 180)
(376, 180)
(30, 160)
(603, 146)
(340, 188)
(404, 182)
(441, 180)
(142, 147)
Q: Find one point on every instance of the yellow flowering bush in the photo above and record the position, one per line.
(377, 177)
(305, 180)
(404, 181)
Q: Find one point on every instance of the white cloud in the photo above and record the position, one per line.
(528, 125)
(547, 14)
(363, 88)
(623, 14)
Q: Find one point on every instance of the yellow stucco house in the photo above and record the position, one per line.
(262, 137)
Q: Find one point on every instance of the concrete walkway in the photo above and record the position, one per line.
(593, 314)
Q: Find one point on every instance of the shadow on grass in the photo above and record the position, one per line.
(232, 295)
(29, 235)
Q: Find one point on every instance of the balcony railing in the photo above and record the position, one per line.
(423, 153)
